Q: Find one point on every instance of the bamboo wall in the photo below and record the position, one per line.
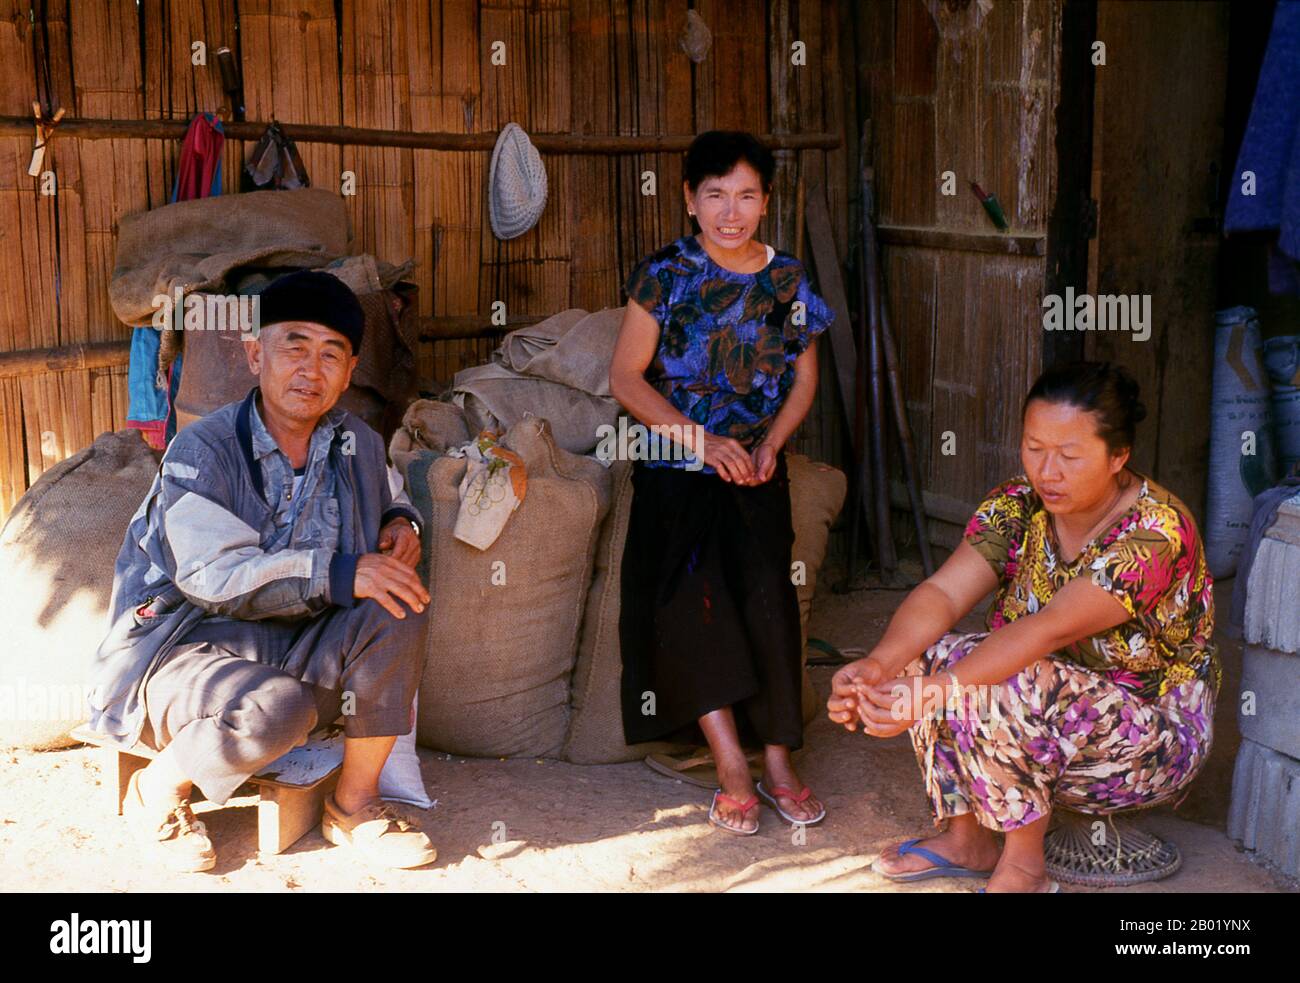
(572, 66)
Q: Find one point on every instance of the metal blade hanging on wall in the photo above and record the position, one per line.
(275, 163)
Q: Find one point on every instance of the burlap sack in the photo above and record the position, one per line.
(573, 348)
(504, 624)
(57, 551)
(557, 369)
(596, 728)
(215, 370)
(816, 496)
(521, 347)
(195, 245)
(495, 398)
(427, 425)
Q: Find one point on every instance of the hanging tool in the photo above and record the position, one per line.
(858, 505)
(908, 445)
(877, 304)
(869, 291)
(44, 130)
(846, 348)
(902, 426)
(231, 83)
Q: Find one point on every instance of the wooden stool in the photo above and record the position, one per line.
(291, 789)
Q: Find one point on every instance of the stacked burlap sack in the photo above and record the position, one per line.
(57, 551)
(505, 620)
(216, 367)
(523, 656)
(229, 245)
(557, 369)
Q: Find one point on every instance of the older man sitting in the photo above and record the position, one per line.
(263, 586)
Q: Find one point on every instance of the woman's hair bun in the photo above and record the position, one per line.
(1129, 391)
(1104, 388)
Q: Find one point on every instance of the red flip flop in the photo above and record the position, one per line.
(744, 807)
(771, 798)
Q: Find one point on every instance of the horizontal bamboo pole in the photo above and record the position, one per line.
(34, 361)
(547, 143)
(972, 242)
(100, 355)
(451, 327)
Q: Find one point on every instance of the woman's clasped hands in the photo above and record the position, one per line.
(735, 464)
(861, 694)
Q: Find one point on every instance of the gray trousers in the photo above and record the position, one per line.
(233, 696)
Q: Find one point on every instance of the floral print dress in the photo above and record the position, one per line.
(1113, 721)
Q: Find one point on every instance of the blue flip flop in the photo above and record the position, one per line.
(943, 867)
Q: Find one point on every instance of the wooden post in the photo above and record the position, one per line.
(875, 367)
(122, 766)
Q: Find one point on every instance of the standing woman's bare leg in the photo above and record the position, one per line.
(733, 768)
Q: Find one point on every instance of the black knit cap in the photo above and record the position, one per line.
(310, 295)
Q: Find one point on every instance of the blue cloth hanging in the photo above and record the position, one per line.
(151, 408)
(1271, 150)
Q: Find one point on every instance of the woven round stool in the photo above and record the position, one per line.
(1125, 854)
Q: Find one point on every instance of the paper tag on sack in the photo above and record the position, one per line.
(494, 485)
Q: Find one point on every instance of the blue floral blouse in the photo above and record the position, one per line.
(727, 341)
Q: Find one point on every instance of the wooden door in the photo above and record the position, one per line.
(1157, 146)
(967, 94)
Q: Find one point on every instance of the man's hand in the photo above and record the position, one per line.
(399, 540)
(387, 580)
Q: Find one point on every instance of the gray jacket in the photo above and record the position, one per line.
(194, 547)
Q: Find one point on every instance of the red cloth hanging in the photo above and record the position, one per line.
(200, 167)
(150, 409)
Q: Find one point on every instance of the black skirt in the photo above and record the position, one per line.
(709, 615)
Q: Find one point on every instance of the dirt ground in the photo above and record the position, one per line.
(533, 825)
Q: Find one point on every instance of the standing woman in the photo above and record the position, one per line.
(718, 342)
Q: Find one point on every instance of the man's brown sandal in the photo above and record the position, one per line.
(178, 840)
(379, 832)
